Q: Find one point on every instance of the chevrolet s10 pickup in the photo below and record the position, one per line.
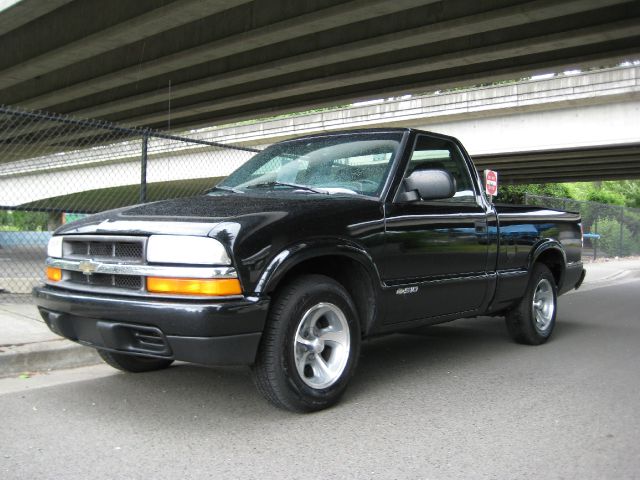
(311, 246)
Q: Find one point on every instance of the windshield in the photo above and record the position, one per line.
(354, 164)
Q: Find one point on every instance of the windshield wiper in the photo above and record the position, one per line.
(225, 188)
(285, 184)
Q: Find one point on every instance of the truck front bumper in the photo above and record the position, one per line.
(210, 333)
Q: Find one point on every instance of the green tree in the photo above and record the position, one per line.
(5, 218)
(610, 191)
(30, 221)
(606, 196)
(628, 189)
(516, 193)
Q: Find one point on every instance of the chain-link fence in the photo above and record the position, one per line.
(55, 169)
(610, 230)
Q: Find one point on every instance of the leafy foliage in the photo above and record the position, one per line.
(606, 196)
(23, 221)
(516, 193)
(610, 241)
(617, 192)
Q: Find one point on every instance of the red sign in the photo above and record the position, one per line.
(491, 182)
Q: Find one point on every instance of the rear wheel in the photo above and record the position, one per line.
(532, 321)
(130, 363)
(310, 345)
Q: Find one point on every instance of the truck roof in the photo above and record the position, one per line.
(368, 130)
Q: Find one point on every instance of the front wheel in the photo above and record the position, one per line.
(310, 345)
(531, 322)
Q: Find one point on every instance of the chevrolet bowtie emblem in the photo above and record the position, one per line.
(87, 267)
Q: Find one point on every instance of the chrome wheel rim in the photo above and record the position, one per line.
(543, 306)
(322, 345)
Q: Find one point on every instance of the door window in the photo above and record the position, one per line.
(436, 153)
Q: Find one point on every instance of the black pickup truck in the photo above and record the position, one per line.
(309, 247)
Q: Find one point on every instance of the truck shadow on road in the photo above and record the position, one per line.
(433, 361)
(467, 347)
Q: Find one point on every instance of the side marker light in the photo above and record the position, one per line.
(54, 274)
(218, 287)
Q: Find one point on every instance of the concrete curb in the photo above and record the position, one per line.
(44, 356)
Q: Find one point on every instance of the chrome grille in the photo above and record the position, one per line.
(110, 248)
(104, 249)
(101, 249)
(128, 250)
(78, 248)
(129, 282)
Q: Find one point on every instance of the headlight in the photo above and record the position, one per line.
(185, 249)
(54, 247)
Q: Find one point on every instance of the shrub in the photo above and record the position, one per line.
(606, 196)
(609, 242)
(515, 193)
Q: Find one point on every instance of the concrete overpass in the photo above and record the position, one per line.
(178, 64)
(570, 127)
(575, 126)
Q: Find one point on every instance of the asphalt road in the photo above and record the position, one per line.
(453, 401)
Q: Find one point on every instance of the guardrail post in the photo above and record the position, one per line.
(143, 169)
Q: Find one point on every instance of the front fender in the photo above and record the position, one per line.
(293, 255)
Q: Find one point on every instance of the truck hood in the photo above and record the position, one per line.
(201, 215)
(259, 231)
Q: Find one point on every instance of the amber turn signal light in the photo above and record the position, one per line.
(195, 286)
(54, 274)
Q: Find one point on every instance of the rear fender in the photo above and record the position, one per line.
(546, 247)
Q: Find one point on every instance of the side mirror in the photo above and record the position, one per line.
(428, 185)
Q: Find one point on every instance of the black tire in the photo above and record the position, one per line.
(287, 369)
(532, 321)
(133, 364)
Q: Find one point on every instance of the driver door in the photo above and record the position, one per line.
(436, 251)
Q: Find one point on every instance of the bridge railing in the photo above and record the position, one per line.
(55, 169)
(615, 228)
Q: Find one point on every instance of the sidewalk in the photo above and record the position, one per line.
(27, 345)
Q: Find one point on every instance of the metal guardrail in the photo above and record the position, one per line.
(55, 169)
(593, 238)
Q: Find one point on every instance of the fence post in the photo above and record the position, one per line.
(595, 240)
(621, 230)
(143, 169)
